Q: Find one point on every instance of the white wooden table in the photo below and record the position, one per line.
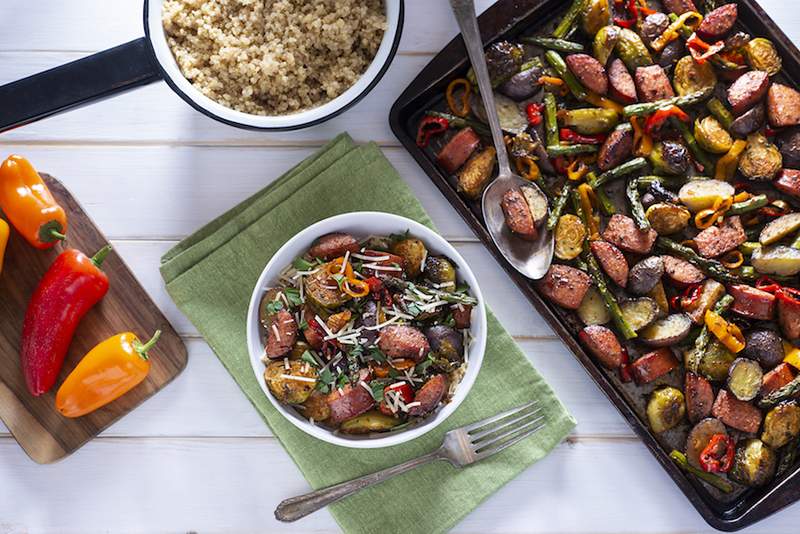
(150, 170)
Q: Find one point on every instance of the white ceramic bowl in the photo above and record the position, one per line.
(361, 224)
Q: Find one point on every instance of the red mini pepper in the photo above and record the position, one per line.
(657, 120)
(569, 136)
(789, 295)
(69, 289)
(632, 15)
(534, 113)
(717, 457)
(765, 283)
(700, 50)
(430, 126)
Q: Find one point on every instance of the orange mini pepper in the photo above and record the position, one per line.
(107, 372)
(4, 231)
(29, 205)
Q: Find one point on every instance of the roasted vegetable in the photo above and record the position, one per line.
(699, 437)
(744, 379)
(605, 41)
(322, 291)
(668, 219)
(712, 136)
(668, 331)
(648, 108)
(593, 309)
(316, 407)
(570, 19)
(639, 313)
(596, 15)
(414, 253)
(446, 342)
(366, 423)
(512, 118)
(762, 55)
(665, 409)
(765, 346)
(611, 302)
(754, 464)
(699, 195)
(637, 209)
(632, 50)
(761, 160)
(644, 276)
(569, 237)
(693, 77)
(777, 260)
(537, 203)
(781, 425)
(720, 112)
(780, 228)
(561, 45)
(440, 270)
(476, 173)
(589, 121)
(669, 157)
(292, 385)
(716, 362)
(503, 60)
(710, 478)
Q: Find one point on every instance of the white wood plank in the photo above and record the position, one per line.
(233, 485)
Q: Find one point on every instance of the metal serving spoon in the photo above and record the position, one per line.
(532, 259)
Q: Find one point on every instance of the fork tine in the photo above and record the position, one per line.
(490, 420)
(509, 433)
(505, 424)
(485, 453)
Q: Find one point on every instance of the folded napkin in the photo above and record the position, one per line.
(211, 275)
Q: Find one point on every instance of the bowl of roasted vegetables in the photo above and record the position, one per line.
(366, 330)
(666, 140)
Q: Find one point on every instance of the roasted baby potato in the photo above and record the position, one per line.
(716, 362)
(781, 425)
(476, 173)
(414, 253)
(667, 332)
(640, 312)
(445, 342)
(287, 389)
(761, 161)
(699, 437)
(665, 409)
(669, 157)
(537, 203)
(668, 219)
(754, 463)
(316, 406)
(440, 270)
(764, 346)
(366, 423)
(762, 55)
(593, 310)
(780, 228)
(659, 295)
(744, 379)
(692, 77)
(778, 260)
(698, 195)
(712, 136)
(644, 276)
(569, 237)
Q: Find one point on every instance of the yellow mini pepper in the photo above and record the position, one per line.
(792, 355)
(4, 232)
(728, 334)
(727, 164)
(107, 372)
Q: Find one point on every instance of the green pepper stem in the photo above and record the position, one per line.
(143, 348)
(100, 257)
(58, 235)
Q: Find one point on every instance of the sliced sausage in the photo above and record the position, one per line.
(735, 413)
(399, 341)
(612, 261)
(789, 144)
(717, 240)
(654, 365)
(623, 232)
(679, 7)
(603, 344)
(617, 147)
(699, 397)
(429, 396)
(783, 106)
(331, 246)
(789, 318)
(281, 334)
(385, 263)
(458, 150)
(719, 22)
(621, 85)
(519, 218)
(748, 91)
(750, 122)
(564, 285)
(752, 303)
(653, 84)
(788, 182)
(681, 272)
(776, 379)
(589, 72)
(462, 314)
(349, 402)
(314, 334)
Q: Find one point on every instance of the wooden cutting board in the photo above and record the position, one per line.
(42, 432)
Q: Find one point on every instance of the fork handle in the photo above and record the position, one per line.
(303, 505)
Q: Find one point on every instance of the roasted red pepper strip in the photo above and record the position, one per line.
(428, 127)
(789, 295)
(561, 164)
(701, 51)
(690, 295)
(625, 372)
(657, 120)
(534, 112)
(633, 15)
(569, 136)
(765, 283)
(717, 457)
(69, 289)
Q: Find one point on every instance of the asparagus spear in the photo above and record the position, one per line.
(751, 204)
(789, 390)
(710, 478)
(551, 119)
(671, 182)
(562, 45)
(696, 354)
(721, 113)
(649, 108)
(568, 150)
(617, 172)
(698, 153)
(558, 207)
(557, 62)
(606, 204)
(712, 268)
(570, 20)
(637, 210)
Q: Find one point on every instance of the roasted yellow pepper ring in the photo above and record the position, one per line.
(792, 355)
(706, 219)
(528, 168)
(727, 164)
(642, 142)
(463, 109)
(732, 260)
(690, 19)
(588, 202)
(602, 102)
(728, 334)
(741, 197)
(355, 288)
(577, 170)
(335, 267)
(4, 233)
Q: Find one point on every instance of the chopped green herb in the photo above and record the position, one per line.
(423, 366)
(307, 357)
(376, 354)
(377, 391)
(400, 237)
(293, 296)
(301, 264)
(342, 380)
(273, 307)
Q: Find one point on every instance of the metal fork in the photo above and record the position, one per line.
(461, 447)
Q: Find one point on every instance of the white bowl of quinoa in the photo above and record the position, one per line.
(273, 64)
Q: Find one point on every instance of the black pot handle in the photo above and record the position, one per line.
(77, 83)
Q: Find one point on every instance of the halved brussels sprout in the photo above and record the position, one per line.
(439, 270)
(762, 55)
(569, 237)
(665, 409)
(761, 160)
(781, 425)
(754, 463)
(692, 77)
(669, 157)
(668, 219)
(712, 136)
(716, 362)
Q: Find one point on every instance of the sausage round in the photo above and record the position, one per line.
(519, 218)
(788, 182)
(717, 240)
(399, 341)
(612, 261)
(752, 303)
(789, 319)
(699, 397)
(589, 71)
(681, 272)
(783, 106)
(603, 344)
(621, 85)
(623, 232)
(350, 402)
(719, 22)
(331, 246)
(789, 144)
(617, 147)
(679, 7)
(281, 334)
(652, 84)
(735, 413)
(458, 150)
(429, 395)
(654, 365)
(564, 285)
(748, 90)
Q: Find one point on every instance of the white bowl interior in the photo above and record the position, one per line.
(164, 55)
(361, 224)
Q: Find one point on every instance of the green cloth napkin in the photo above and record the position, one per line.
(211, 275)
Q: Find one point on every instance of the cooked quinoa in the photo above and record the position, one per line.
(273, 57)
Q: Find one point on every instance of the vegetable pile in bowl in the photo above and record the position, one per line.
(366, 335)
(667, 144)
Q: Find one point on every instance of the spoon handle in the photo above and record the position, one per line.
(464, 11)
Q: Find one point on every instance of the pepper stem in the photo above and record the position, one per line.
(100, 257)
(143, 348)
(58, 235)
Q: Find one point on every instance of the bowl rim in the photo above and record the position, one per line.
(172, 75)
(301, 241)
